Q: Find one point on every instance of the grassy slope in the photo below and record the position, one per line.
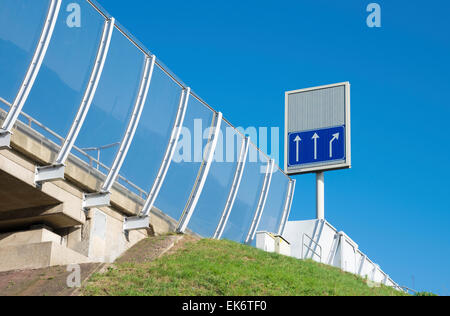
(210, 267)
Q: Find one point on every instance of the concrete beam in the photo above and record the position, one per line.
(20, 172)
(52, 216)
(16, 194)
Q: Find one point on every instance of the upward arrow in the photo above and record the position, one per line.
(315, 137)
(297, 140)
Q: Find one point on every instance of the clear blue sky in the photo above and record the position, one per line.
(240, 56)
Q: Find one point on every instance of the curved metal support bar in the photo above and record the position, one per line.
(102, 198)
(133, 124)
(202, 174)
(342, 250)
(374, 271)
(56, 170)
(287, 206)
(234, 188)
(32, 72)
(178, 125)
(261, 202)
(89, 92)
(361, 266)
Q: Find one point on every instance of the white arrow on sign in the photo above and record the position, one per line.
(297, 140)
(335, 137)
(315, 136)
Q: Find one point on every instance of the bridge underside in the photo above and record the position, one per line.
(18, 195)
(22, 206)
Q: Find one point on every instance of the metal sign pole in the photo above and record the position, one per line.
(320, 196)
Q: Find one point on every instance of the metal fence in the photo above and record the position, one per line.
(322, 242)
(89, 86)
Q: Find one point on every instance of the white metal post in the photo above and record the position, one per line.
(32, 72)
(361, 267)
(374, 271)
(89, 93)
(287, 206)
(386, 278)
(56, 170)
(102, 198)
(170, 151)
(342, 248)
(320, 196)
(140, 221)
(262, 202)
(234, 188)
(202, 175)
(133, 123)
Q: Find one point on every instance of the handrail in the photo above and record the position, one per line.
(92, 161)
(309, 248)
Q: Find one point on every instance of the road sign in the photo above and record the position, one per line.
(318, 129)
(315, 146)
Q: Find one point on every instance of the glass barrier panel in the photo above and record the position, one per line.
(186, 162)
(247, 198)
(273, 210)
(21, 24)
(114, 100)
(217, 187)
(153, 133)
(59, 87)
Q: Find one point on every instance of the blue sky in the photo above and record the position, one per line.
(241, 56)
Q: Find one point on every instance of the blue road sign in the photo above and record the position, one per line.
(316, 146)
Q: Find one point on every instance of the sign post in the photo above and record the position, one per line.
(320, 195)
(317, 133)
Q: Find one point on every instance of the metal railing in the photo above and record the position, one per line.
(99, 149)
(94, 163)
(313, 251)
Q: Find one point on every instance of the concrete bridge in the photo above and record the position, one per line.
(58, 204)
(44, 224)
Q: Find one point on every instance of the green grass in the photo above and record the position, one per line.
(211, 267)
